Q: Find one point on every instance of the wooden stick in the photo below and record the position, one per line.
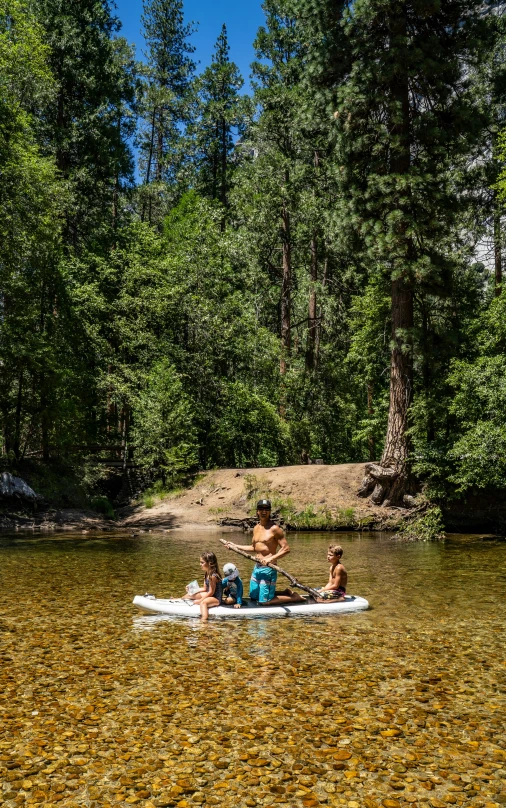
(294, 582)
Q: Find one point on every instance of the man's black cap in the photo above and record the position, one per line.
(264, 503)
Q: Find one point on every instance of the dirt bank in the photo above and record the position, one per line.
(305, 497)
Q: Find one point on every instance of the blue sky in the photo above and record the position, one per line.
(241, 18)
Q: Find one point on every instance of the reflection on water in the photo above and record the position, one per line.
(401, 705)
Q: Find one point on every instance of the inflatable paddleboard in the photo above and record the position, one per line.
(187, 608)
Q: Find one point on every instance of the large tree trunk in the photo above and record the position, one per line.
(497, 250)
(390, 481)
(370, 412)
(286, 284)
(312, 321)
(396, 451)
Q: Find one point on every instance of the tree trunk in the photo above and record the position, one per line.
(391, 480)
(497, 251)
(223, 194)
(285, 288)
(312, 321)
(396, 451)
(17, 421)
(370, 412)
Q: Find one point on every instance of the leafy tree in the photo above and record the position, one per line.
(30, 204)
(404, 116)
(276, 82)
(222, 114)
(163, 435)
(87, 123)
(165, 105)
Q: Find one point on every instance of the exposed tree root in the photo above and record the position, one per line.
(388, 486)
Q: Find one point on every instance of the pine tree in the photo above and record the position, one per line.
(165, 105)
(30, 211)
(223, 113)
(88, 123)
(277, 82)
(405, 116)
(489, 78)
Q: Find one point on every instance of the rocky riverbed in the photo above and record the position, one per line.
(399, 706)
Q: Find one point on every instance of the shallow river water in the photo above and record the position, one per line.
(401, 705)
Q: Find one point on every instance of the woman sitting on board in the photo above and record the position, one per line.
(211, 593)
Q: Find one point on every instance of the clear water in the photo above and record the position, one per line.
(400, 705)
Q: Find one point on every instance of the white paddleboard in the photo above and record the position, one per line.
(187, 608)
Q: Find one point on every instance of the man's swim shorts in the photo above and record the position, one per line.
(262, 586)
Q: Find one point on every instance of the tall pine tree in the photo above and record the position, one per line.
(223, 113)
(404, 115)
(165, 106)
(87, 124)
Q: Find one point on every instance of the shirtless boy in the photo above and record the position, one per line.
(335, 590)
(268, 544)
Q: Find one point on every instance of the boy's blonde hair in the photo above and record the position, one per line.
(336, 549)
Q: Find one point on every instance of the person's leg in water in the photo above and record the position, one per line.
(206, 604)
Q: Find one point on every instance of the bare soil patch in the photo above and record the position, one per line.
(329, 491)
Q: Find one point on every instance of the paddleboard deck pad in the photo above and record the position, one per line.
(183, 607)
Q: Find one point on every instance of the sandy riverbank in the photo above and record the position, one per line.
(230, 494)
(326, 493)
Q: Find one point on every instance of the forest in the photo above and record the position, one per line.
(195, 276)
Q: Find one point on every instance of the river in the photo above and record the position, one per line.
(102, 706)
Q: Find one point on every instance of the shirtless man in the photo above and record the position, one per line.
(335, 590)
(268, 544)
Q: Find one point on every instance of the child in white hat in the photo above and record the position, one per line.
(232, 587)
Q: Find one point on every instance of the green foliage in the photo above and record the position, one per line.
(248, 429)
(479, 407)
(102, 505)
(88, 120)
(429, 526)
(165, 99)
(235, 309)
(163, 433)
(221, 113)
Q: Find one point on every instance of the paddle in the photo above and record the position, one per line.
(294, 582)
